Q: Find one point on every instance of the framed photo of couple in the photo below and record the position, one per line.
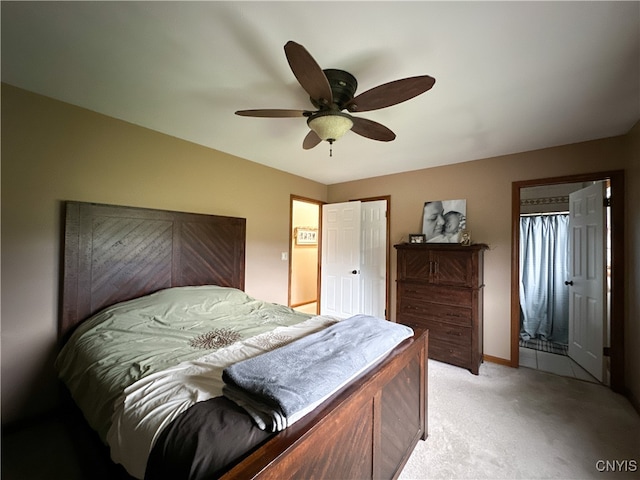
(445, 221)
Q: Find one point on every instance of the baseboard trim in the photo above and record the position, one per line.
(295, 305)
(498, 360)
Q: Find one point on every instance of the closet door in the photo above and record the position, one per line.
(373, 264)
(340, 278)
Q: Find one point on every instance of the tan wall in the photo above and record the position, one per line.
(53, 152)
(486, 185)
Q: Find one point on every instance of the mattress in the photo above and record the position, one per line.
(170, 347)
(148, 373)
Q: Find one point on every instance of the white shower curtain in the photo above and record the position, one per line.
(544, 298)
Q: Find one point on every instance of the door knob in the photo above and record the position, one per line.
(355, 272)
(569, 282)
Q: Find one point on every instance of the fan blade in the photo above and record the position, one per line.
(273, 113)
(372, 130)
(390, 93)
(308, 73)
(311, 140)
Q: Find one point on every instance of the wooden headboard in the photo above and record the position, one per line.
(115, 253)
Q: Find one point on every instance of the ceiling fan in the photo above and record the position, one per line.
(331, 91)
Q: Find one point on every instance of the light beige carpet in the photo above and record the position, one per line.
(521, 423)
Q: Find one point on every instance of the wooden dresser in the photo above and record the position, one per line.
(440, 289)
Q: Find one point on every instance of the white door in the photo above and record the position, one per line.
(586, 283)
(373, 265)
(340, 278)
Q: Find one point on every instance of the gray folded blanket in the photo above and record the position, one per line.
(279, 387)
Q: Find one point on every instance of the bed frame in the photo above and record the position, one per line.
(367, 430)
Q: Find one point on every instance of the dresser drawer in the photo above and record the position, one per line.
(462, 297)
(450, 333)
(436, 312)
(450, 353)
(438, 331)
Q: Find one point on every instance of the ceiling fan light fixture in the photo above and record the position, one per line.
(330, 126)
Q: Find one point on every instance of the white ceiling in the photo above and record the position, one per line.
(510, 76)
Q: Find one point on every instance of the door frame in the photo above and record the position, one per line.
(616, 350)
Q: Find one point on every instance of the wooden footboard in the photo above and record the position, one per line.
(367, 430)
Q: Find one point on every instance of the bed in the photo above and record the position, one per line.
(116, 256)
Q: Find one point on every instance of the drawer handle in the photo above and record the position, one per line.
(454, 315)
(459, 334)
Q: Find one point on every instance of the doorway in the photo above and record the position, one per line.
(615, 352)
(304, 254)
(301, 279)
(546, 283)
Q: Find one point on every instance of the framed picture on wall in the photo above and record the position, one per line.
(443, 221)
(306, 236)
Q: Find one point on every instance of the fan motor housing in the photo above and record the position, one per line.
(343, 87)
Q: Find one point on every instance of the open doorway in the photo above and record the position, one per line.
(304, 254)
(551, 339)
(615, 350)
